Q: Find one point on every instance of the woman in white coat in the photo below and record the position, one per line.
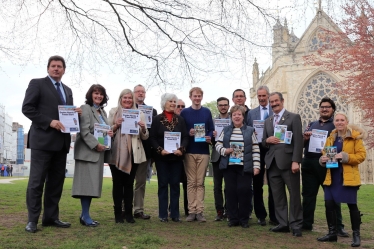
(126, 155)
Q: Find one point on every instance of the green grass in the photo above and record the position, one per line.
(148, 234)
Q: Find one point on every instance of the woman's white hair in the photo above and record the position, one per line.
(167, 97)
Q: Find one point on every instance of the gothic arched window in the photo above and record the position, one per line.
(320, 39)
(319, 86)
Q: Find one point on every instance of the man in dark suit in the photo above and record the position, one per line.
(262, 112)
(282, 162)
(49, 146)
(141, 172)
(223, 106)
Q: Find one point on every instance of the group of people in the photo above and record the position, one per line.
(131, 156)
(6, 170)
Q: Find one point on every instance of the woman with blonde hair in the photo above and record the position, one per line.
(342, 183)
(126, 154)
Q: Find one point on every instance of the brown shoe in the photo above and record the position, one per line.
(200, 217)
(142, 215)
(191, 217)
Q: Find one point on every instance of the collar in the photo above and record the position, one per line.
(53, 81)
(329, 120)
(280, 113)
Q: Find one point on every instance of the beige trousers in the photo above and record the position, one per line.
(195, 167)
(139, 191)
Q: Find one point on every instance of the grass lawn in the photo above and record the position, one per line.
(155, 234)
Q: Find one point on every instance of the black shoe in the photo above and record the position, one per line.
(164, 220)
(233, 224)
(273, 222)
(219, 216)
(176, 219)
(130, 219)
(280, 229)
(142, 215)
(31, 227)
(119, 219)
(245, 225)
(56, 223)
(297, 232)
(342, 233)
(306, 228)
(84, 223)
(261, 222)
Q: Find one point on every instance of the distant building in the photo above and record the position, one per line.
(18, 129)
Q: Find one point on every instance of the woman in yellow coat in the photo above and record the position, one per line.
(343, 181)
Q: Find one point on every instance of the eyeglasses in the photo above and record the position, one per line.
(139, 91)
(325, 107)
(225, 105)
(181, 106)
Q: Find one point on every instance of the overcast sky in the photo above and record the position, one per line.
(14, 79)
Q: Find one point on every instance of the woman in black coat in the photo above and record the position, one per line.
(168, 161)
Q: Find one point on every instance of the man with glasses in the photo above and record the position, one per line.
(313, 174)
(223, 105)
(180, 106)
(239, 98)
(141, 173)
(262, 112)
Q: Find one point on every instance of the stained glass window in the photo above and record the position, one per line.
(319, 86)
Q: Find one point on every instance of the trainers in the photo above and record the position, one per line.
(200, 217)
(219, 216)
(191, 217)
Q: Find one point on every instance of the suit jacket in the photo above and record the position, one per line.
(255, 114)
(284, 154)
(41, 107)
(85, 141)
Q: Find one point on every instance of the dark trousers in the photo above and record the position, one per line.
(238, 191)
(271, 207)
(47, 171)
(258, 193)
(168, 175)
(183, 180)
(313, 176)
(219, 198)
(123, 187)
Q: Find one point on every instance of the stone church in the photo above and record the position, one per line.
(303, 86)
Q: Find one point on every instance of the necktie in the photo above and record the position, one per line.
(59, 92)
(266, 114)
(276, 116)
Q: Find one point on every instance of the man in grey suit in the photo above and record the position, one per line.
(262, 112)
(49, 146)
(282, 162)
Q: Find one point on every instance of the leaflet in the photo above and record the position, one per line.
(259, 128)
(237, 154)
(69, 118)
(172, 141)
(331, 152)
(101, 134)
(148, 112)
(199, 132)
(131, 119)
(317, 141)
(280, 132)
(288, 137)
(220, 123)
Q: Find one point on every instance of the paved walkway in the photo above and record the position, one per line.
(8, 180)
